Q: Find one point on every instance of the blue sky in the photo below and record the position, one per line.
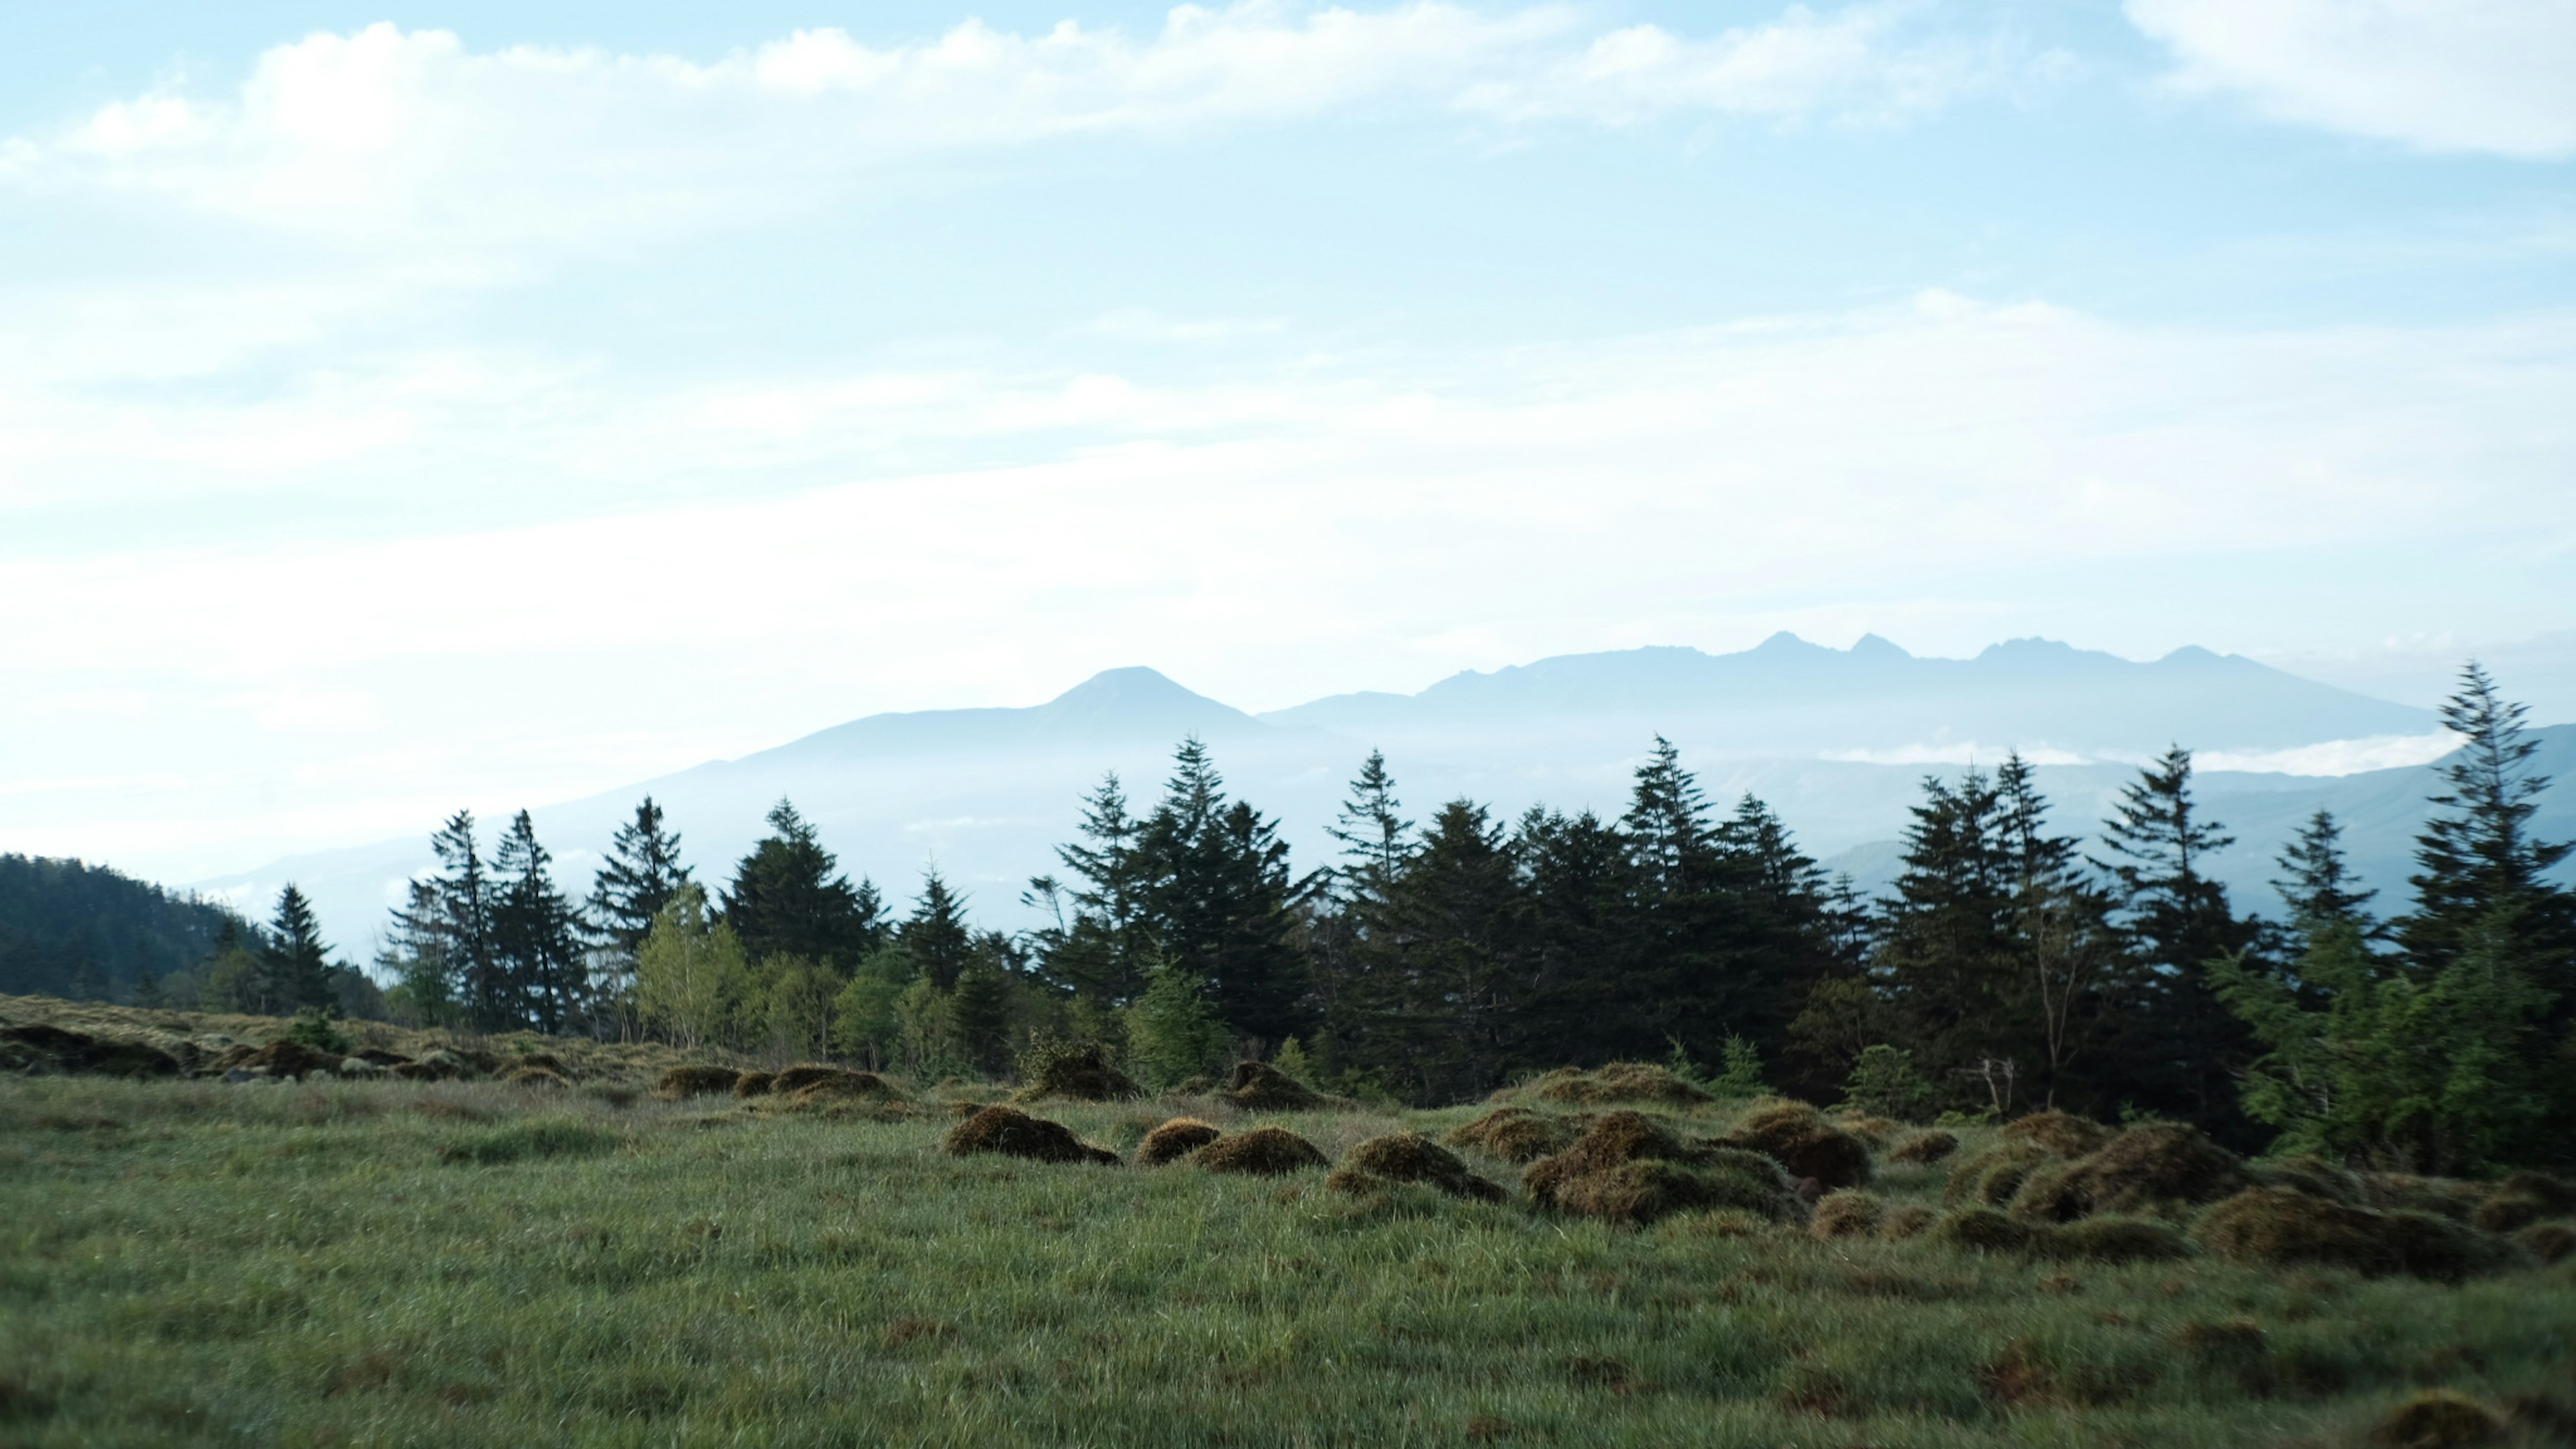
(402, 408)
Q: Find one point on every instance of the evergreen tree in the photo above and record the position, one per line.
(2068, 954)
(1222, 902)
(299, 964)
(1373, 833)
(2178, 1046)
(1436, 1003)
(536, 934)
(448, 926)
(1947, 958)
(2478, 855)
(2315, 883)
(641, 875)
(1575, 884)
(935, 935)
(979, 1008)
(1776, 924)
(789, 899)
(1100, 940)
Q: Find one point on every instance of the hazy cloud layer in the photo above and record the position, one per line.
(2446, 75)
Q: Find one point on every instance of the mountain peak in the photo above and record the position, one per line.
(1872, 646)
(1131, 692)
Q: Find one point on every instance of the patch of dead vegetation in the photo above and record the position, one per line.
(1175, 1140)
(2159, 1165)
(1408, 1157)
(2062, 1133)
(1627, 1169)
(1263, 1151)
(2277, 1226)
(695, 1079)
(1849, 1213)
(754, 1084)
(1922, 1149)
(1517, 1134)
(1261, 1087)
(1617, 1082)
(2438, 1419)
(1014, 1133)
(1799, 1138)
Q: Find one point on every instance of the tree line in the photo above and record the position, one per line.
(2012, 966)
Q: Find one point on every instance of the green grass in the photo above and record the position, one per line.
(183, 1262)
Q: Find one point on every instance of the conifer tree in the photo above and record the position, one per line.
(1100, 939)
(299, 964)
(536, 934)
(1373, 832)
(1437, 1004)
(447, 926)
(789, 899)
(979, 1007)
(2478, 855)
(2315, 882)
(2177, 1045)
(1947, 957)
(1222, 902)
(1575, 883)
(643, 871)
(935, 935)
(2068, 954)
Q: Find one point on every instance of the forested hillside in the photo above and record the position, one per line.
(77, 930)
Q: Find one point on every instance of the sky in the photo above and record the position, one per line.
(463, 404)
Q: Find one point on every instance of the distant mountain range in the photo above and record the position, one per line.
(1836, 740)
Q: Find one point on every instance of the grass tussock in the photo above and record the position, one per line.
(1922, 1149)
(1905, 1221)
(2551, 1243)
(1849, 1213)
(1800, 1139)
(2523, 1199)
(1261, 1087)
(43, 1049)
(1014, 1133)
(1991, 1175)
(2062, 1133)
(1617, 1082)
(1263, 1151)
(695, 1079)
(1627, 1169)
(1516, 1134)
(1175, 1140)
(1409, 1157)
(528, 1141)
(2438, 1419)
(2158, 1166)
(541, 1078)
(2279, 1227)
(1079, 1071)
(754, 1084)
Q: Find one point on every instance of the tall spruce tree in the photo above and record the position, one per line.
(1437, 1004)
(2178, 1047)
(2315, 881)
(935, 935)
(641, 875)
(2068, 956)
(447, 927)
(2478, 855)
(1946, 957)
(536, 933)
(1374, 835)
(298, 961)
(1776, 925)
(788, 898)
(1222, 901)
(1575, 881)
(1099, 941)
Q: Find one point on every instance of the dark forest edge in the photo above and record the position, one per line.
(2012, 969)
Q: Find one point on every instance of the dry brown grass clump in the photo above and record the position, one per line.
(278, 1059)
(2404, 1192)
(436, 1066)
(695, 1080)
(1261, 1087)
(1850, 1213)
(1174, 1140)
(535, 1076)
(2278, 1226)
(837, 1085)
(2523, 1199)
(1922, 1149)
(2438, 1419)
(1516, 1134)
(1617, 1082)
(2063, 1133)
(1014, 1133)
(1627, 1169)
(1078, 1071)
(1799, 1138)
(2158, 1165)
(754, 1084)
(2314, 1176)
(1904, 1221)
(1267, 1151)
(2549, 1242)
(1409, 1157)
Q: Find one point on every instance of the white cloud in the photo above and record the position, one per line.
(2337, 757)
(2494, 76)
(392, 136)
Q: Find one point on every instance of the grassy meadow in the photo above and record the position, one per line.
(471, 1262)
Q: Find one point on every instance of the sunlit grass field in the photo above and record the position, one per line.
(434, 1263)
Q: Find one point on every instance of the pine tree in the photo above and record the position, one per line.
(1373, 832)
(1575, 883)
(1775, 926)
(1437, 1003)
(788, 899)
(2178, 1045)
(2477, 855)
(2062, 938)
(979, 1008)
(1222, 902)
(935, 935)
(641, 875)
(2315, 883)
(1947, 959)
(536, 934)
(447, 926)
(299, 964)
(1100, 938)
